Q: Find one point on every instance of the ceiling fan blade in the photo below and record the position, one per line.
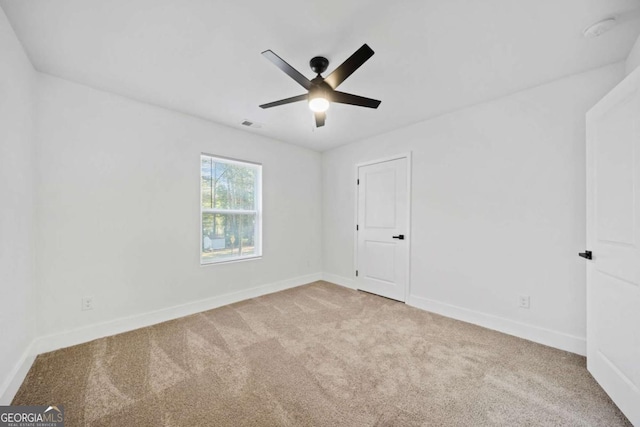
(285, 101)
(347, 68)
(360, 101)
(291, 72)
(320, 118)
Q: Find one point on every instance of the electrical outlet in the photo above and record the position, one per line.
(87, 303)
(525, 301)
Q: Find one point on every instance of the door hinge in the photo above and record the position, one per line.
(357, 227)
(358, 181)
(356, 273)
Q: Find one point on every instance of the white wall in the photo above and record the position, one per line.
(498, 208)
(633, 60)
(17, 99)
(119, 213)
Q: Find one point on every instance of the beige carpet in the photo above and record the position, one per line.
(317, 355)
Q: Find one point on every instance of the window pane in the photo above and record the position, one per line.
(227, 236)
(233, 186)
(205, 177)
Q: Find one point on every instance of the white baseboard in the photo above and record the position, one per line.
(544, 336)
(339, 280)
(14, 380)
(91, 332)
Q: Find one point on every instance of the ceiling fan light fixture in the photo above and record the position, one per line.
(318, 104)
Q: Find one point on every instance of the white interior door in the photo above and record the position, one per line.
(383, 228)
(613, 236)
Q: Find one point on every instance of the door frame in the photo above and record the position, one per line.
(404, 155)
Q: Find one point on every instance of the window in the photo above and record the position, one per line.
(230, 210)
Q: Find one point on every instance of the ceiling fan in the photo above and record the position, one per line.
(322, 90)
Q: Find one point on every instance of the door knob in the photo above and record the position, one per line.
(399, 236)
(586, 254)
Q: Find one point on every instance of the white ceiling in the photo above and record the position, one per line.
(202, 57)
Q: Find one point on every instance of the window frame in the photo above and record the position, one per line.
(257, 211)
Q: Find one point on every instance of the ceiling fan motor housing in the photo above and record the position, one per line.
(319, 64)
(320, 89)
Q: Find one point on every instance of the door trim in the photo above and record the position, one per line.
(405, 155)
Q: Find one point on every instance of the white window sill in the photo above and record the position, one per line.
(231, 261)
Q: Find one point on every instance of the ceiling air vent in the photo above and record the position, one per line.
(250, 124)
